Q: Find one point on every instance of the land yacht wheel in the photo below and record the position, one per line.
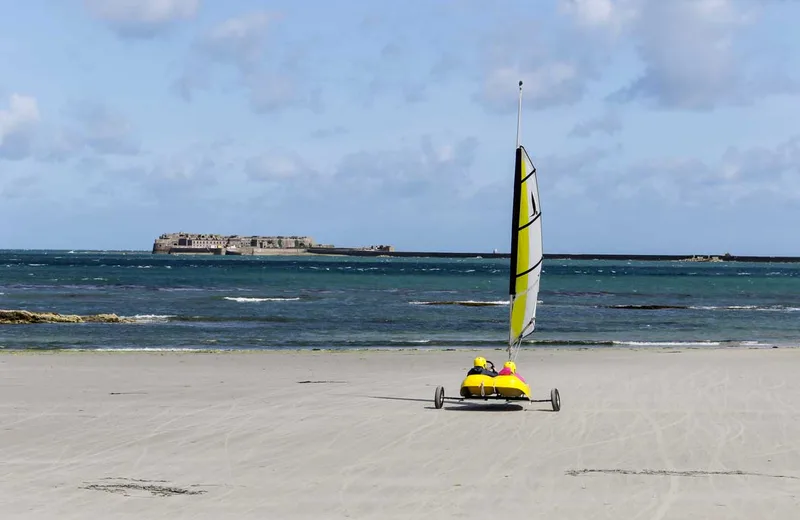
(438, 397)
(555, 399)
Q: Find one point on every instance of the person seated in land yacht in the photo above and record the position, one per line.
(510, 369)
(479, 367)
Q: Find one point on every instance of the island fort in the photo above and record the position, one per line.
(197, 243)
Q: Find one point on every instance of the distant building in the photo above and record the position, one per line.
(221, 244)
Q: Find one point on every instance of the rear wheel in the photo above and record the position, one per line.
(555, 399)
(438, 397)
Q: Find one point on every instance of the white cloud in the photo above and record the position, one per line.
(141, 18)
(276, 166)
(270, 82)
(407, 192)
(201, 174)
(740, 177)
(555, 65)
(371, 178)
(692, 52)
(771, 172)
(329, 132)
(609, 123)
(101, 130)
(609, 14)
(689, 53)
(16, 123)
(20, 189)
(238, 40)
(280, 89)
(546, 84)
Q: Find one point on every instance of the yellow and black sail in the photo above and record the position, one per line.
(526, 247)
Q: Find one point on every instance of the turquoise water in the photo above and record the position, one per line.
(345, 302)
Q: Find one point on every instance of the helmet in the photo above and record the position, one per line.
(479, 362)
(511, 366)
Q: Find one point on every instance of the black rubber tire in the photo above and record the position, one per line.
(438, 397)
(555, 399)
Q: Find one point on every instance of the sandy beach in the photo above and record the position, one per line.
(656, 434)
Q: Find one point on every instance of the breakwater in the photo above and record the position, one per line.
(565, 256)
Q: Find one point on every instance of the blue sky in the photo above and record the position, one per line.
(657, 126)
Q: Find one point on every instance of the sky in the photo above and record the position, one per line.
(656, 126)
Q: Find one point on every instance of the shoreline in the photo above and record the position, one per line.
(391, 349)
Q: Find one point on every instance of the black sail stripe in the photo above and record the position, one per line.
(531, 269)
(531, 222)
(528, 176)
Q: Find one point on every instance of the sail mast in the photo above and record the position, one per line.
(514, 225)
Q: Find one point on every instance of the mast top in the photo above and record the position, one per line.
(519, 112)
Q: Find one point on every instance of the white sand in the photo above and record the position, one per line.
(241, 432)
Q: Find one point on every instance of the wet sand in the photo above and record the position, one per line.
(656, 434)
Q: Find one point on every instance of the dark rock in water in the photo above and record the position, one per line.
(21, 316)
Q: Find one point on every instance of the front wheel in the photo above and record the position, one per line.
(555, 399)
(438, 397)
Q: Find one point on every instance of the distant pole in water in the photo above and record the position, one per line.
(519, 112)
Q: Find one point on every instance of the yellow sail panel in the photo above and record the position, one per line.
(527, 264)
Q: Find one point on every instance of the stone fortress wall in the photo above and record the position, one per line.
(202, 243)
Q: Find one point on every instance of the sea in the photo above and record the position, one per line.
(196, 302)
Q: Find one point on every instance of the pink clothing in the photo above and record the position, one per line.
(507, 372)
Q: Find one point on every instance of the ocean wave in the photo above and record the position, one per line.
(166, 318)
(669, 343)
(568, 342)
(648, 307)
(244, 299)
(151, 318)
(153, 349)
(725, 307)
(233, 319)
(768, 308)
(466, 303)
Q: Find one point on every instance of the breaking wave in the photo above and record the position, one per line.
(467, 303)
(648, 307)
(244, 299)
(668, 343)
(768, 308)
(150, 318)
